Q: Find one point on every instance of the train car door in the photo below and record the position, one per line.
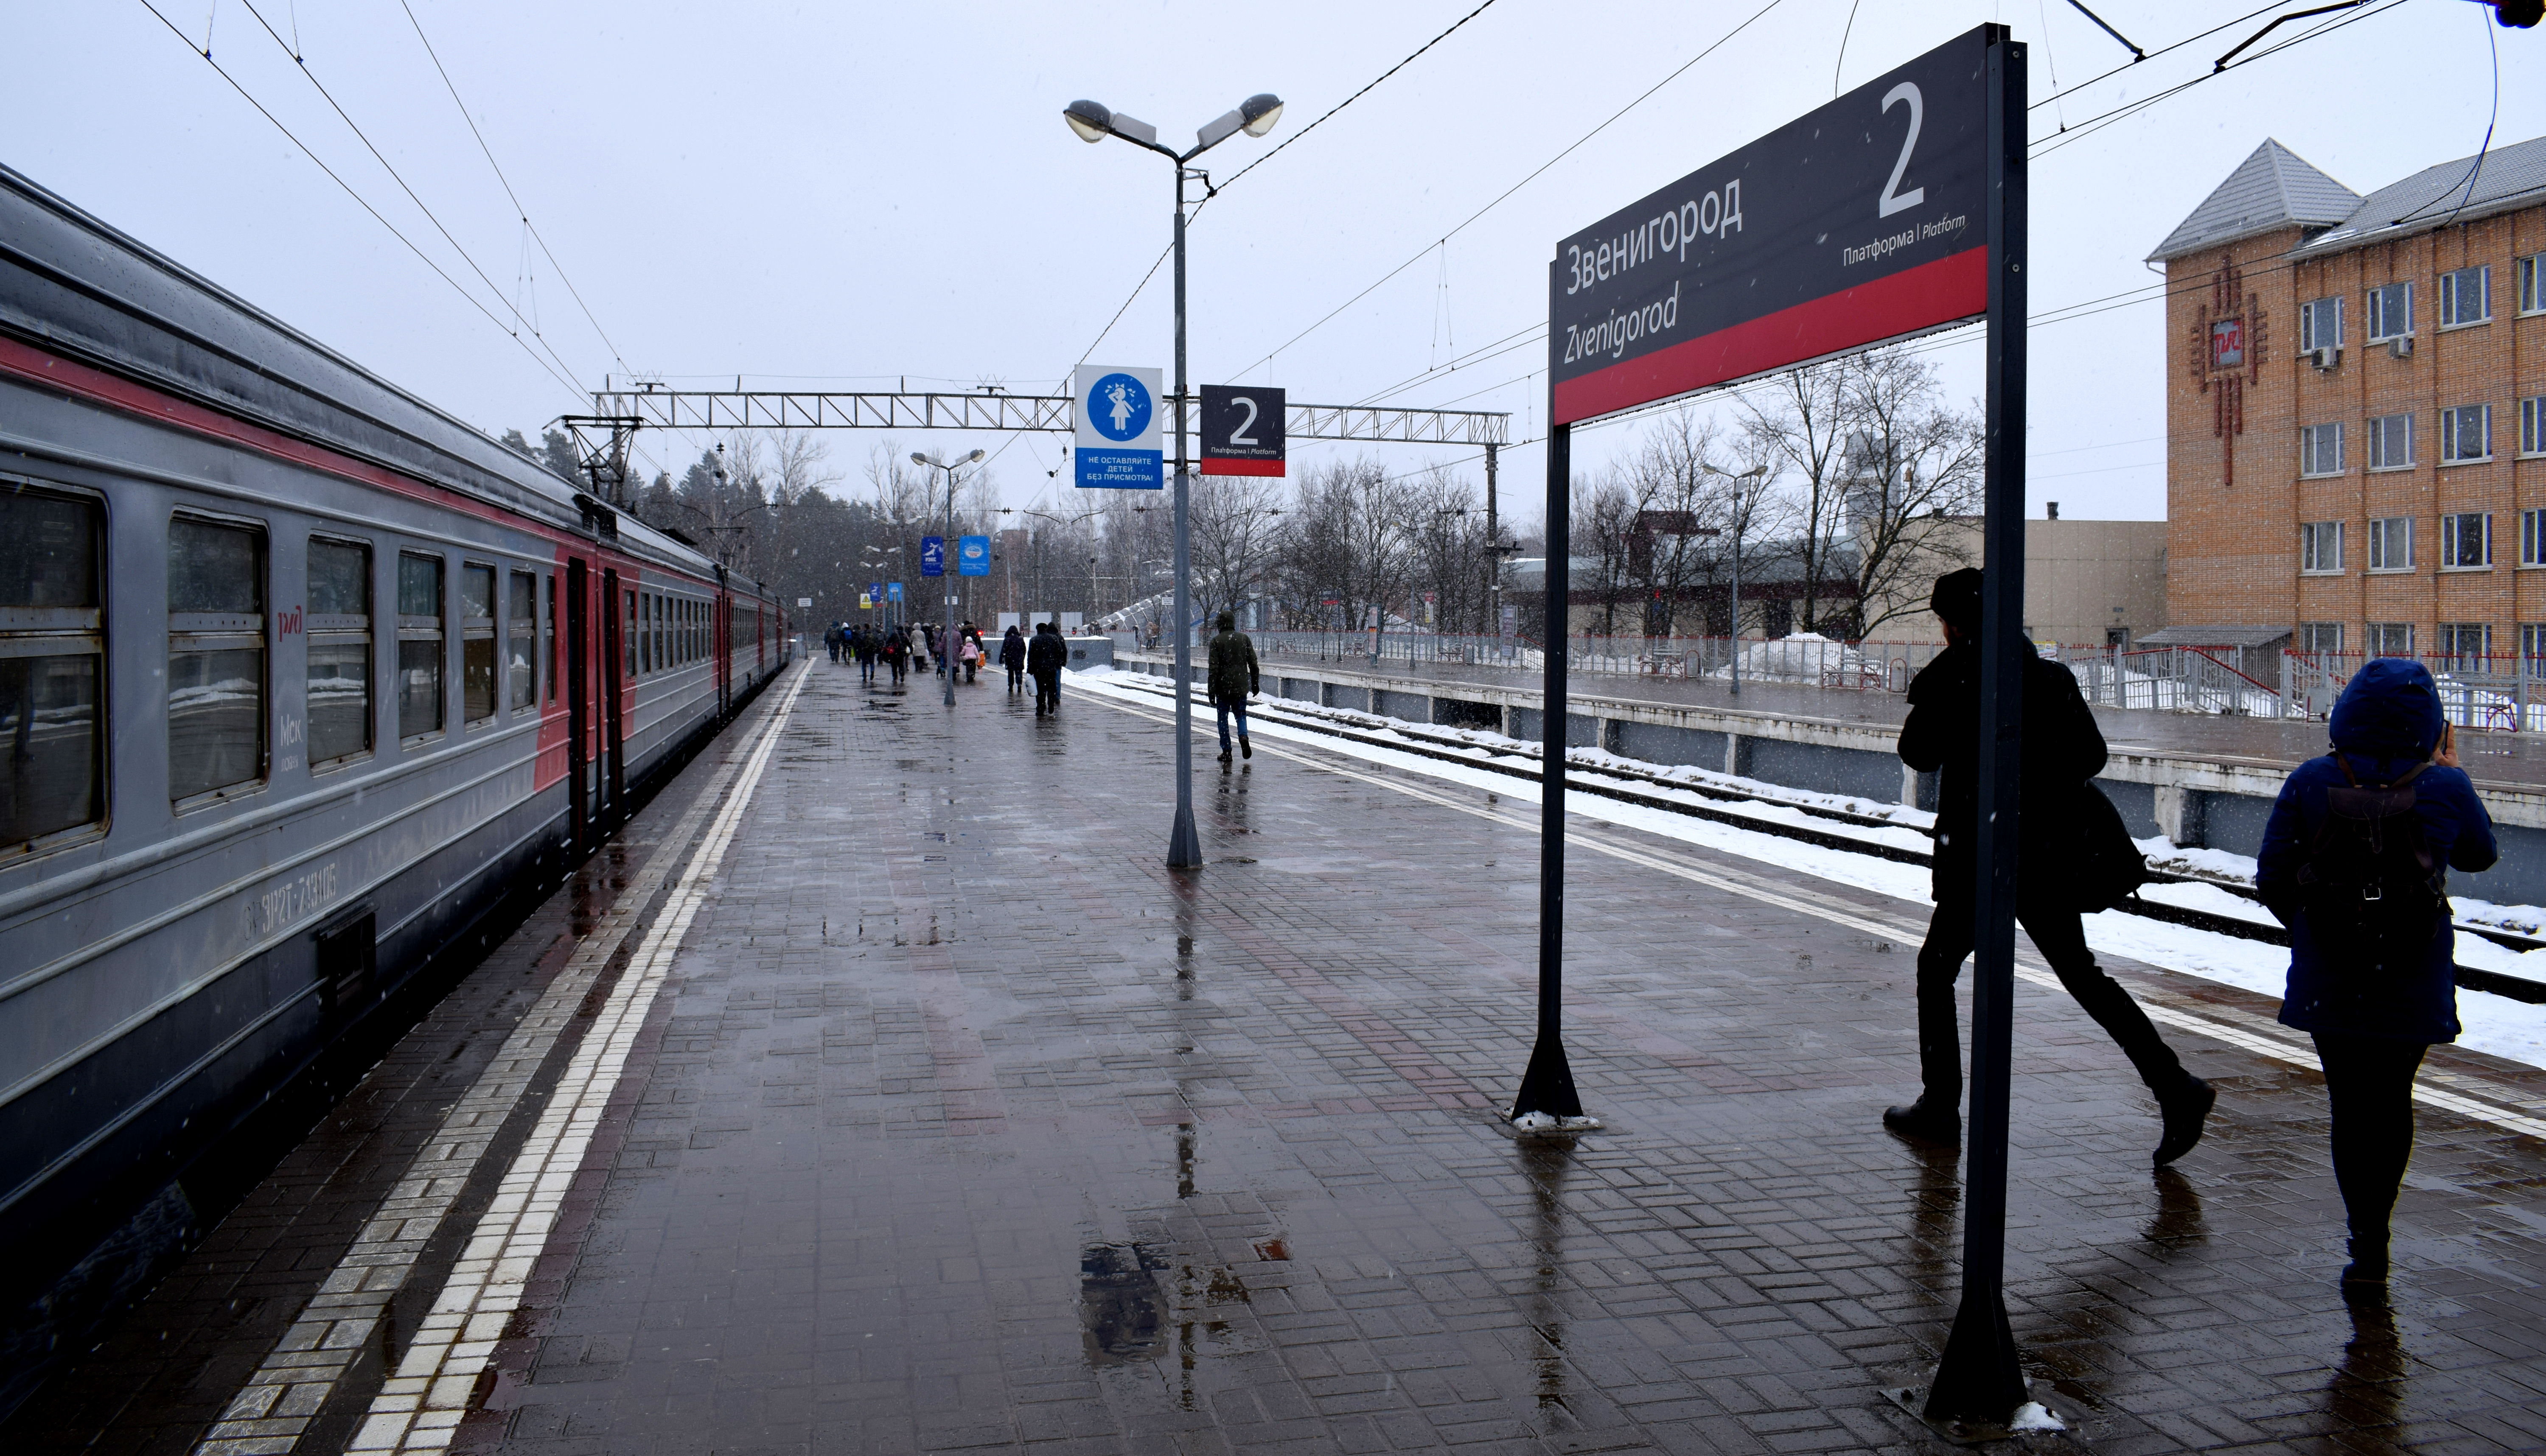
(578, 700)
(614, 622)
(723, 655)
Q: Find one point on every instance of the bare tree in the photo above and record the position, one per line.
(1913, 461)
(1235, 532)
(1802, 434)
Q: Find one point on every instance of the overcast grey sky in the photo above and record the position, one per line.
(857, 192)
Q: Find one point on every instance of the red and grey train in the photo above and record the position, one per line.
(302, 679)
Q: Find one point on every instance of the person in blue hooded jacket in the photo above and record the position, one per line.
(2372, 1030)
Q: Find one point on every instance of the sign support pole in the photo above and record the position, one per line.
(1980, 1378)
(1548, 1086)
(1184, 845)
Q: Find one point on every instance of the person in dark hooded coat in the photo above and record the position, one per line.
(1045, 655)
(1012, 656)
(2063, 749)
(2373, 1027)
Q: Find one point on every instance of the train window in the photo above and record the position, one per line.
(650, 632)
(216, 657)
(419, 645)
(549, 629)
(339, 629)
(477, 643)
(627, 635)
(521, 633)
(53, 655)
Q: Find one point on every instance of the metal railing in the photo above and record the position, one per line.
(2482, 692)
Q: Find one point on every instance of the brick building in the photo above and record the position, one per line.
(2356, 433)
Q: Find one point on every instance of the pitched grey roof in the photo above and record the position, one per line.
(2511, 177)
(2271, 188)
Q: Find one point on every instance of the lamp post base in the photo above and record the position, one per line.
(1184, 846)
(1980, 1379)
(1547, 1085)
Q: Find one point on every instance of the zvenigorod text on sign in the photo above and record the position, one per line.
(1859, 223)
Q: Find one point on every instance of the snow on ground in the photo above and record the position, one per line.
(2494, 1024)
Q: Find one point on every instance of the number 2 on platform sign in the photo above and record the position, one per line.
(1894, 200)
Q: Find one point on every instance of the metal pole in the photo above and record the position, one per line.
(1184, 846)
(1741, 519)
(1547, 1085)
(1493, 549)
(946, 643)
(1980, 1378)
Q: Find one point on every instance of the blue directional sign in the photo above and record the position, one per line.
(932, 555)
(1117, 446)
(973, 556)
(892, 593)
(874, 589)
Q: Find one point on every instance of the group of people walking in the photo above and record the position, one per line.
(900, 649)
(2354, 861)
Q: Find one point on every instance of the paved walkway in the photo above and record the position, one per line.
(960, 1124)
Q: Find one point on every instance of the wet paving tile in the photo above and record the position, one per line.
(963, 1124)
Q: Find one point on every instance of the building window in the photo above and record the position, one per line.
(2321, 547)
(521, 641)
(2320, 324)
(2466, 434)
(2391, 441)
(2391, 638)
(2466, 540)
(2532, 537)
(339, 628)
(548, 629)
(2532, 425)
(2391, 544)
(2466, 297)
(2321, 638)
(2532, 646)
(2391, 311)
(2532, 283)
(2321, 449)
(2466, 644)
(419, 645)
(53, 665)
(216, 657)
(477, 644)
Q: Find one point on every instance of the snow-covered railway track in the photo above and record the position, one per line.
(1848, 832)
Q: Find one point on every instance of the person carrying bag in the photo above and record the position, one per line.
(2075, 856)
(2355, 862)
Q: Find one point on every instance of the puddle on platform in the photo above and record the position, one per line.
(1121, 1316)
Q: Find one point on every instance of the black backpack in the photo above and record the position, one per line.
(2371, 890)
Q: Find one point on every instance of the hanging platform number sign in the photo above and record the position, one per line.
(1244, 430)
(1857, 223)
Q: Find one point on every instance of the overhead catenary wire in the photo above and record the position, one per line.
(1532, 176)
(302, 63)
(518, 209)
(564, 378)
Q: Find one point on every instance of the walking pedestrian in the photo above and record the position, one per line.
(831, 641)
(1044, 658)
(896, 654)
(1234, 675)
(2062, 750)
(2356, 861)
(868, 649)
(1012, 655)
(970, 653)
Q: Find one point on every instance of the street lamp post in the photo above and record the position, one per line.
(1255, 115)
(1743, 484)
(946, 643)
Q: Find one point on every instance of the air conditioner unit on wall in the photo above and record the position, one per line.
(2324, 357)
(2400, 346)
